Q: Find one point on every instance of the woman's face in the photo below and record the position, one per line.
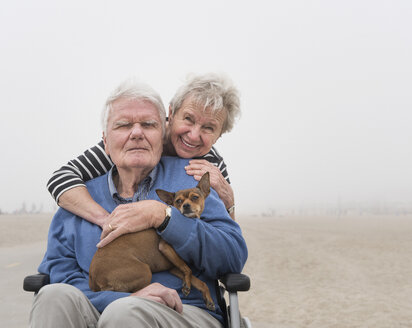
(193, 130)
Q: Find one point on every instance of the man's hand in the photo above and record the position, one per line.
(161, 294)
(132, 217)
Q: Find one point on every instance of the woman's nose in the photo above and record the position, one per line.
(194, 133)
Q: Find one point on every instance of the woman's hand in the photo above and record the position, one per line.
(198, 167)
(132, 217)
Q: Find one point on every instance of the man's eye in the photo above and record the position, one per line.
(122, 125)
(149, 124)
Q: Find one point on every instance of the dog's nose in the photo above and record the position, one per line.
(186, 206)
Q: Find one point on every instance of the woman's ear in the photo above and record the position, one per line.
(170, 114)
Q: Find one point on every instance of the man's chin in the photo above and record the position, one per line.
(136, 164)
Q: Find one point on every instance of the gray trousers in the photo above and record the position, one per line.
(65, 306)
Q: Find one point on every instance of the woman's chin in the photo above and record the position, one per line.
(184, 154)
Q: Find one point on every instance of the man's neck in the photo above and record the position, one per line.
(127, 181)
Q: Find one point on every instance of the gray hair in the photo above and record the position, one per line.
(215, 91)
(132, 89)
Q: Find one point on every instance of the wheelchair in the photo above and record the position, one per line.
(231, 283)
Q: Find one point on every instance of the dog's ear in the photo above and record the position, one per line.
(204, 184)
(166, 196)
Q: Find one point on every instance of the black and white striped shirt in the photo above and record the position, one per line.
(94, 162)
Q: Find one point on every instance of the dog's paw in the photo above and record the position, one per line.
(185, 290)
(210, 306)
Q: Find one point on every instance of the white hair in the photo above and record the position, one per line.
(133, 89)
(215, 91)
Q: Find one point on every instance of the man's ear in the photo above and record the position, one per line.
(204, 184)
(105, 144)
(166, 196)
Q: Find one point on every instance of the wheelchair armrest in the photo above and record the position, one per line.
(235, 282)
(34, 282)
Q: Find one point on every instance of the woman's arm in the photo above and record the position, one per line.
(198, 167)
(78, 201)
(67, 184)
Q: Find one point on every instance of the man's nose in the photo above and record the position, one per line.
(137, 131)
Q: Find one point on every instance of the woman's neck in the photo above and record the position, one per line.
(168, 149)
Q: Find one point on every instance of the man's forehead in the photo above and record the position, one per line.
(130, 107)
(123, 103)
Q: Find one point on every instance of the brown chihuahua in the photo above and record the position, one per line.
(190, 202)
(127, 263)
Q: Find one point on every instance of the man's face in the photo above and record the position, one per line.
(193, 130)
(134, 134)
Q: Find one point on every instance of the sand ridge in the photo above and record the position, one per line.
(328, 272)
(305, 271)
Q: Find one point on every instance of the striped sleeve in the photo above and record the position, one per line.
(214, 157)
(92, 163)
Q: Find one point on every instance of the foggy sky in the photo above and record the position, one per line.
(326, 90)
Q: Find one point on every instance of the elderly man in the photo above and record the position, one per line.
(134, 126)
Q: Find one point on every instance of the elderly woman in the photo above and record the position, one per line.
(202, 109)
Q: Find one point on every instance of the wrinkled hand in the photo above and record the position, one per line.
(198, 167)
(132, 217)
(161, 294)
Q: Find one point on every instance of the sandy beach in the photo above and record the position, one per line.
(305, 271)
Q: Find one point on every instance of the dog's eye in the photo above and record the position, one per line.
(179, 202)
(195, 197)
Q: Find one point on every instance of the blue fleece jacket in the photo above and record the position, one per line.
(211, 246)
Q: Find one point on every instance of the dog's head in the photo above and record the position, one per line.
(190, 202)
